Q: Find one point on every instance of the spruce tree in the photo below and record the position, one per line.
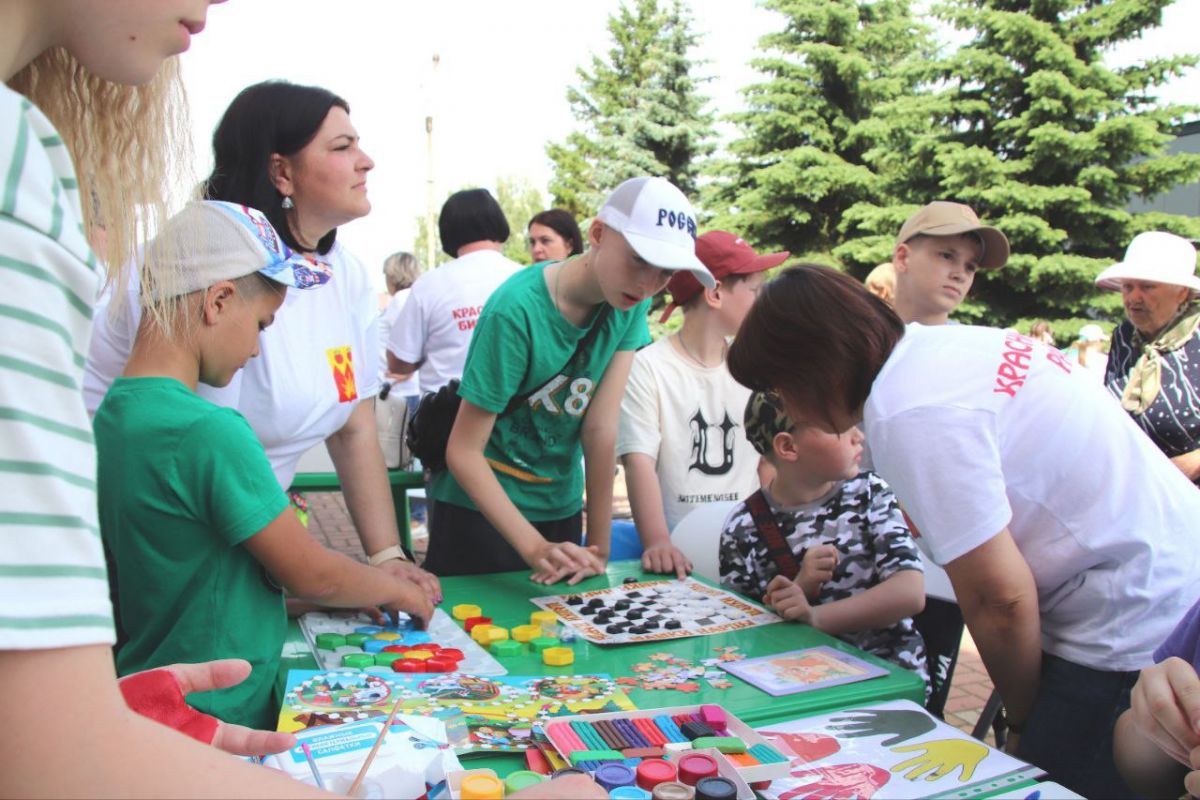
(816, 123)
(1030, 127)
(641, 110)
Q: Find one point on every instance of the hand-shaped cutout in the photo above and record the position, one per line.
(807, 746)
(838, 782)
(941, 757)
(903, 725)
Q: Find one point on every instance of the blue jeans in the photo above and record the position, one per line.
(1069, 732)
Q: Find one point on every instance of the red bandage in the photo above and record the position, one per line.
(156, 694)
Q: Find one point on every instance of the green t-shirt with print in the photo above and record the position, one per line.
(520, 342)
(183, 483)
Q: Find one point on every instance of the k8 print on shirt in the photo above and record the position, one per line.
(564, 394)
(341, 362)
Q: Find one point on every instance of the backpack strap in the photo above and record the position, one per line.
(777, 546)
(593, 329)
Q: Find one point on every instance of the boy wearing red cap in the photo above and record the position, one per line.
(679, 437)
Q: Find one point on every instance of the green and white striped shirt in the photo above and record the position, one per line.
(53, 581)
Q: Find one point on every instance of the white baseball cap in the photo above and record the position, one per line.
(659, 224)
(1154, 256)
(212, 240)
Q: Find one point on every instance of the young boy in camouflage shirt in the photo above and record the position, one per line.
(825, 543)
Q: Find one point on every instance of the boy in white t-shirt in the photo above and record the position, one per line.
(434, 328)
(937, 252)
(679, 439)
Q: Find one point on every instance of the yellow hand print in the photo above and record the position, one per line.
(941, 757)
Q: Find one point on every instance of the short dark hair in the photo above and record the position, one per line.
(471, 215)
(266, 118)
(816, 336)
(563, 223)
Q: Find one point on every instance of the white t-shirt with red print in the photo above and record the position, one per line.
(437, 321)
(318, 360)
(978, 429)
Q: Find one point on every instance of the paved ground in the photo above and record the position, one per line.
(969, 690)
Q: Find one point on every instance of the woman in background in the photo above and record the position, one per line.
(554, 235)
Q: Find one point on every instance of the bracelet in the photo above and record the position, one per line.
(387, 554)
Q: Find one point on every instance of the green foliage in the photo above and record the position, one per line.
(1026, 124)
(519, 200)
(820, 126)
(640, 108)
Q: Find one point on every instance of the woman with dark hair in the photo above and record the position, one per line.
(1070, 541)
(291, 152)
(554, 235)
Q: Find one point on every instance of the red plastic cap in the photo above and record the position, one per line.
(653, 771)
(694, 766)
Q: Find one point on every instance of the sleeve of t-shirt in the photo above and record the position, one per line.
(497, 359)
(943, 463)
(225, 477)
(891, 540)
(406, 339)
(640, 430)
(113, 331)
(637, 334)
(1184, 641)
(739, 572)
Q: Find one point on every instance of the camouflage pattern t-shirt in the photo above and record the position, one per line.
(862, 519)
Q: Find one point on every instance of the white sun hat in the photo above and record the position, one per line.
(1154, 256)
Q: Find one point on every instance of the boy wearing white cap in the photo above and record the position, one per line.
(200, 534)
(937, 252)
(541, 390)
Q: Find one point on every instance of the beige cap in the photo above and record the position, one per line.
(942, 218)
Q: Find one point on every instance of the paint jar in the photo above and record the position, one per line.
(673, 790)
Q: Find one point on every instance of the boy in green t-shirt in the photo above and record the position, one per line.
(201, 537)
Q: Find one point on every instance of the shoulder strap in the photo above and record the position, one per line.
(777, 546)
(593, 329)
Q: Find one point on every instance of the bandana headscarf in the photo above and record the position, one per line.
(1145, 378)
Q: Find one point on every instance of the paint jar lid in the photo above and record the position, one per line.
(694, 766)
(515, 781)
(673, 790)
(715, 788)
(653, 771)
(481, 787)
(614, 774)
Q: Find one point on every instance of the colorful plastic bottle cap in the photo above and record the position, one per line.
(673, 791)
(418, 655)
(516, 781)
(507, 647)
(629, 793)
(408, 665)
(386, 659)
(452, 653)
(417, 637)
(330, 641)
(612, 775)
(370, 630)
(374, 646)
(480, 632)
(439, 664)
(558, 656)
(389, 636)
(481, 787)
(543, 619)
(397, 648)
(694, 766)
(653, 771)
(496, 634)
(542, 643)
(464, 611)
(470, 623)
(716, 788)
(358, 660)
(356, 639)
(525, 633)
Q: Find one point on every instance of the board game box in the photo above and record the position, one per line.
(482, 713)
(655, 611)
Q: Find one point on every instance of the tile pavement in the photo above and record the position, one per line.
(969, 690)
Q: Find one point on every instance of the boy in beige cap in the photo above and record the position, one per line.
(937, 252)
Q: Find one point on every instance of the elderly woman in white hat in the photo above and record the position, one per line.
(1154, 360)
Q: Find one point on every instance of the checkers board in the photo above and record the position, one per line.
(654, 611)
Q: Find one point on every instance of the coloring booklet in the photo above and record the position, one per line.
(895, 750)
(802, 670)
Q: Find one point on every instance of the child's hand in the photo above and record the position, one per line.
(788, 600)
(1166, 708)
(665, 558)
(553, 561)
(412, 600)
(817, 567)
(410, 571)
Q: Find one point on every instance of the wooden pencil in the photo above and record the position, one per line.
(362, 773)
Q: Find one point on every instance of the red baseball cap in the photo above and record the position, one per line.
(724, 254)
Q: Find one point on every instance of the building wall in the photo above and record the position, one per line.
(1183, 199)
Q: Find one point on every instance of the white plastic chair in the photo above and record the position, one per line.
(698, 536)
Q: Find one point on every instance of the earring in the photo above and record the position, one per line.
(287, 203)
